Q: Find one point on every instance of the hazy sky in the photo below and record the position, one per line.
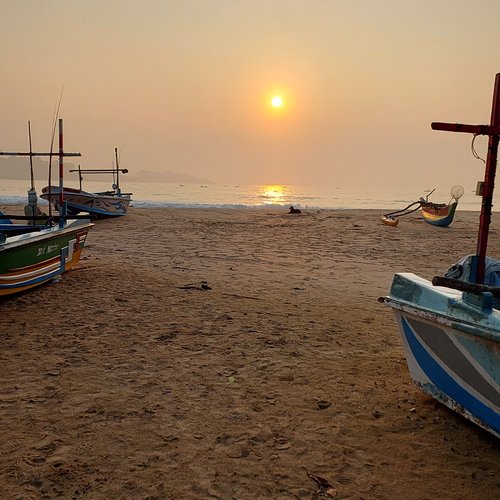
(185, 86)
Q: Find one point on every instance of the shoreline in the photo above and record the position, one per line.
(157, 205)
(148, 195)
(128, 378)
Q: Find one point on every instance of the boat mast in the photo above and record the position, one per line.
(493, 131)
(117, 173)
(80, 176)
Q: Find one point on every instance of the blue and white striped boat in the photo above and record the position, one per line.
(451, 327)
(452, 346)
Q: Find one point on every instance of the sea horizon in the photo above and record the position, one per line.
(190, 195)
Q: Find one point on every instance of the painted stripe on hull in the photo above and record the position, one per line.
(26, 285)
(116, 206)
(27, 271)
(455, 360)
(13, 279)
(93, 210)
(43, 276)
(448, 387)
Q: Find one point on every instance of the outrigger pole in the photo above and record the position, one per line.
(62, 154)
(113, 171)
(406, 210)
(493, 132)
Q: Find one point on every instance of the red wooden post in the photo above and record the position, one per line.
(493, 131)
(489, 184)
(61, 169)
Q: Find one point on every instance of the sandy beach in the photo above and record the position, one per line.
(233, 354)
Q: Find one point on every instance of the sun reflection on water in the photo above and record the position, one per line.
(274, 194)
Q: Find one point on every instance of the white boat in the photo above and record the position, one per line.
(451, 327)
(105, 204)
(111, 203)
(451, 340)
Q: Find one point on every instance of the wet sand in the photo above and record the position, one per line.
(233, 354)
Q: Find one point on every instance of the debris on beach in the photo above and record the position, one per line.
(323, 404)
(190, 286)
(325, 488)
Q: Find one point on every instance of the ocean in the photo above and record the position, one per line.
(254, 196)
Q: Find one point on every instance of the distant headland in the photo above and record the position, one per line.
(19, 168)
(168, 177)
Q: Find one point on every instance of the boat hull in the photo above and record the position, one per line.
(101, 205)
(442, 217)
(389, 221)
(32, 259)
(452, 348)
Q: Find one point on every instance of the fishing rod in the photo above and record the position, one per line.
(117, 189)
(32, 175)
(56, 115)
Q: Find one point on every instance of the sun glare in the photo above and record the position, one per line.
(273, 194)
(277, 101)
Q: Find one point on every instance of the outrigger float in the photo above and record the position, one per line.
(450, 327)
(436, 214)
(42, 249)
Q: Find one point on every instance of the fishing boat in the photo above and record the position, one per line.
(43, 247)
(111, 203)
(441, 214)
(450, 326)
(35, 257)
(436, 214)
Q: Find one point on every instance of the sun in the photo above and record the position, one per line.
(277, 101)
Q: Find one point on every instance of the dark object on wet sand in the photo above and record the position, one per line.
(294, 211)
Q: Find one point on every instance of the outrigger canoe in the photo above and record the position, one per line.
(436, 214)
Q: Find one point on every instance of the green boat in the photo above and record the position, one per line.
(33, 258)
(45, 247)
